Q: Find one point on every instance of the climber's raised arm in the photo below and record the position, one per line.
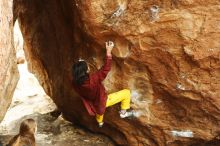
(102, 73)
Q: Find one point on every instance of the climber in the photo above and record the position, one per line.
(89, 86)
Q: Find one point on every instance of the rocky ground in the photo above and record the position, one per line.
(53, 131)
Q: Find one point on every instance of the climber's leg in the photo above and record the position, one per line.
(123, 96)
(99, 119)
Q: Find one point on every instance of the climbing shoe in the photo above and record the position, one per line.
(126, 114)
(101, 124)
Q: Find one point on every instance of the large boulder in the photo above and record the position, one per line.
(8, 62)
(167, 53)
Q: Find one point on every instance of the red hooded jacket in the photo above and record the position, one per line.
(92, 91)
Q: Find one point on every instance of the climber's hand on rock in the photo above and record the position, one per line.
(109, 46)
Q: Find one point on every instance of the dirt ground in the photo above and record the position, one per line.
(53, 131)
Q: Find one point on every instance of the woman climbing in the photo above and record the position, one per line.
(89, 86)
(26, 134)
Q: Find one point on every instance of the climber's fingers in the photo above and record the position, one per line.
(111, 44)
(106, 44)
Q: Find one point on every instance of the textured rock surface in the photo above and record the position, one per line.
(170, 62)
(8, 63)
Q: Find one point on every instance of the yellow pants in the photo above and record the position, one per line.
(123, 96)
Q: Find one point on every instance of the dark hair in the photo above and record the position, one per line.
(26, 134)
(79, 72)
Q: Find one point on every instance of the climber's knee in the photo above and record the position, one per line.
(125, 104)
(127, 93)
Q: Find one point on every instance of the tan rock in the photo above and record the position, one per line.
(8, 66)
(172, 65)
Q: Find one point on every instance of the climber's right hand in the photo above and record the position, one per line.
(109, 46)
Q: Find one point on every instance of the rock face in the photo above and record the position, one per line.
(167, 53)
(8, 64)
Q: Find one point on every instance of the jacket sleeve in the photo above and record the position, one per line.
(102, 73)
